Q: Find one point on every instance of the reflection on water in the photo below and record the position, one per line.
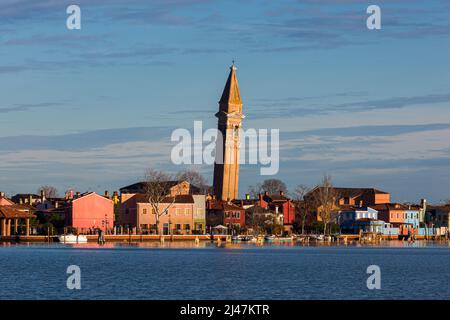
(186, 270)
(228, 245)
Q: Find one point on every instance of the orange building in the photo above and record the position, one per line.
(348, 197)
(185, 210)
(89, 212)
(14, 218)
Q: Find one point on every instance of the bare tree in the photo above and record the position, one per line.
(325, 198)
(272, 186)
(157, 188)
(49, 191)
(196, 179)
(303, 204)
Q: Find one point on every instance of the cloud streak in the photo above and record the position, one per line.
(28, 106)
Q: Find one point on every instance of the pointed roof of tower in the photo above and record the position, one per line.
(231, 94)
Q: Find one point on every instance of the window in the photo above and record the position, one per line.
(187, 211)
(179, 211)
(346, 200)
(178, 226)
(236, 131)
(144, 211)
(236, 214)
(127, 211)
(187, 227)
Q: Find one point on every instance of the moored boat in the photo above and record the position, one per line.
(284, 239)
(246, 238)
(71, 238)
(269, 238)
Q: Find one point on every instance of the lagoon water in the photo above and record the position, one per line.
(232, 271)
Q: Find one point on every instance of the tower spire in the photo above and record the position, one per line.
(231, 94)
(226, 170)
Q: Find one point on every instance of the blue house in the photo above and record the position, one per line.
(354, 219)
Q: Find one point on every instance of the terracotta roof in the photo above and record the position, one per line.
(223, 205)
(7, 200)
(354, 192)
(11, 212)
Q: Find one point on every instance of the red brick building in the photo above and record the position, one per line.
(219, 212)
(279, 203)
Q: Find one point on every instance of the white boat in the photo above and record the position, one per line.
(269, 238)
(71, 238)
(281, 239)
(320, 237)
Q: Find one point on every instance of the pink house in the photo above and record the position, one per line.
(90, 211)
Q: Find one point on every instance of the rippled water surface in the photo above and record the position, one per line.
(184, 271)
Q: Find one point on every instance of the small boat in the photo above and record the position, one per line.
(235, 238)
(284, 239)
(71, 238)
(269, 238)
(246, 238)
(320, 237)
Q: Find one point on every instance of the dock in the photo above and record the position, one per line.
(119, 238)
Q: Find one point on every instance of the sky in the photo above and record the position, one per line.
(92, 109)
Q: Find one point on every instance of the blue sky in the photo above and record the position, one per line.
(93, 108)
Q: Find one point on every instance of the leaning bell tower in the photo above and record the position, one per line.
(226, 167)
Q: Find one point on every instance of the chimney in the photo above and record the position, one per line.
(56, 204)
(77, 195)
(360, 203)
(2, 194)
(30, 200)
(42, 196)
(107, 194)
(281, 193)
